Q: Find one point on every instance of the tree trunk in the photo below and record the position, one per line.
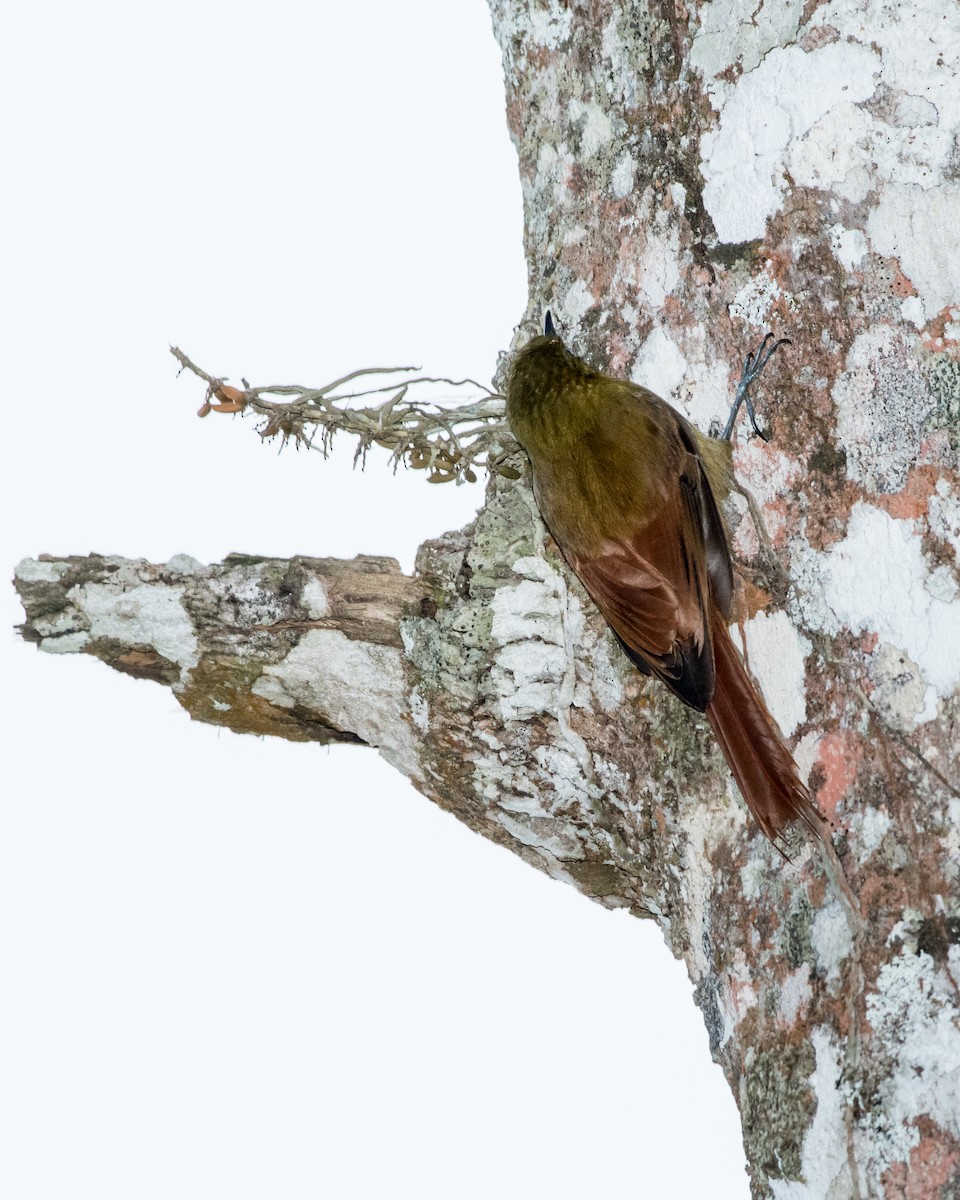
(692, 174)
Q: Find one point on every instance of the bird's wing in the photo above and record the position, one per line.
(653, 587)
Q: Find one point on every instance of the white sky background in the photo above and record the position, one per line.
(244, 968)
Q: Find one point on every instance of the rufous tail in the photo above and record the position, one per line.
(753, 746)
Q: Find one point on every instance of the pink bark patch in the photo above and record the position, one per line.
(933, 1167)
(910, 503)
(839, 757)
(934, 333)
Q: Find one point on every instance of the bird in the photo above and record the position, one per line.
(631, 492)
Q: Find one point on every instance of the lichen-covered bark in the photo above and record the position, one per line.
(692, 173)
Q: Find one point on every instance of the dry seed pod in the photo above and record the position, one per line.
(232, 400)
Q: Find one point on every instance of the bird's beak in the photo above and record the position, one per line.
(548, 327)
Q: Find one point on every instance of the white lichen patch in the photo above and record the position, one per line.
(761, 116)
(314, 598)
(558, 841)
(875, 580)
(652, 273)
(527, 678)
(595, 128)
(944, 513)
(771, 475)
(950, 842)
(623, 175)
(795, 996)
(754, 876)
(899, 691)
(776, 652)
(351, 685)
(575, 235)
(739, 994)
(912, 310)
(524, 799)
(29, 570)
(531, 658)
(564, 769)
(706, 394)
(494, 773)
(942, 585)
(597, 676)
(849, 151)
(611, 777)
(742, 32)
(577, 302)
(840, 153)
(57, 624)
(908, 148)
(659, 268)
(534, 786)
(659, 365)
(913, 1018)
(67, 643)
(824, 1164)
(872, 117)
(520, 27)
(549, 26)
(541, 791)
(528, 609)
(246, 599)
(548, 187)
(552, 169)
(706, 826)
(696, 888)
(272, 690)
(148, 614)
(755, 299)
(806, 752)
(532, 799)
(869, 828)
(882, 403)
(185, 564)
(831, 939)
(848, 245)
(920, 228)
(419, 711)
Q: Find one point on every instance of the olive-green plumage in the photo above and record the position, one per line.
(629, 490)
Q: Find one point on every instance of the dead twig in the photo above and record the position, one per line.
(449, 442)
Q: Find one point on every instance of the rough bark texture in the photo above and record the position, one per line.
(692, 173)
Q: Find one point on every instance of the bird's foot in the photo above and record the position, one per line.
(752, 367)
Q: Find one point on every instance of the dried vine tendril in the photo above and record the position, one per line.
(447, 442)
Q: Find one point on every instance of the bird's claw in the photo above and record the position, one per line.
(753, 365)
